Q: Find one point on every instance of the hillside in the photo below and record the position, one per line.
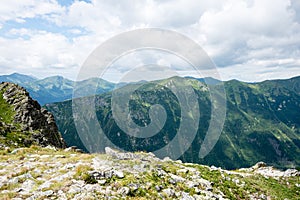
(49, 173)
(262, 122)
(23, 122)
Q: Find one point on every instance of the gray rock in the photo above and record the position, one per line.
(168, 192)
(167, 159)
(263, 197)
(291, 172)
(182, 171)
(176, 179)
(61, 195)
(17, 150)
(191, 184)
(158, 188)
(27, 187)
(45, 156)
(26, 176)
(119, 174)
(74, 189)
(101, 182)
(120, 155)
(83, 196)
(14, 180)
(108, 174)
(186, 196)
(70, 149)
(259, 165)
(45, 185)
(123, 191)
(236, 181)
(69, 166)
(172, 181)
(110, 151)
(133, 187)
(203, 182)
(59, 156)
(47, 193)
(161, 173)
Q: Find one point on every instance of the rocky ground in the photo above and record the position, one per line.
(48, 173)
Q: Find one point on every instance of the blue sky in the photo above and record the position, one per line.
(250, 40)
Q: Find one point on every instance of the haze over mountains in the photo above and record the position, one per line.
(56, 88)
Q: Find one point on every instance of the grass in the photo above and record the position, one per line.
(6, 110)
(82, 173)
(11, 134)
(252, 184)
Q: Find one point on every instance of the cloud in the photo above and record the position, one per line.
(239, 25)
(248, 36)
(43, 52)
(18, 11)
(258, 70)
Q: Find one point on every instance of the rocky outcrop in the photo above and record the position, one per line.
(35, 121)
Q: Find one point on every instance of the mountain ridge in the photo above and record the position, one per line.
(55, 88)
(262, 123)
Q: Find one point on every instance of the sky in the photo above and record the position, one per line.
(248, 40)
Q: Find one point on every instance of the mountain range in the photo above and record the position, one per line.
(262, 121)
(56, 88)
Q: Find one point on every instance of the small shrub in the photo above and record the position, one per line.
(89, 179)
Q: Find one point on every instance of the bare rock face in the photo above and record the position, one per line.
(31, 117)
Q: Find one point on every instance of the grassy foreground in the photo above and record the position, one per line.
(48, 173)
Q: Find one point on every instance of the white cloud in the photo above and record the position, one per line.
(252, 36)
(16, 10)
(44, 53)
(258, 70)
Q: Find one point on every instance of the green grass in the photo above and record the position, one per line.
(285, 188)
(6, 110)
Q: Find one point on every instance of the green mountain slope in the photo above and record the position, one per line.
(259, 125)
(262, 122)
